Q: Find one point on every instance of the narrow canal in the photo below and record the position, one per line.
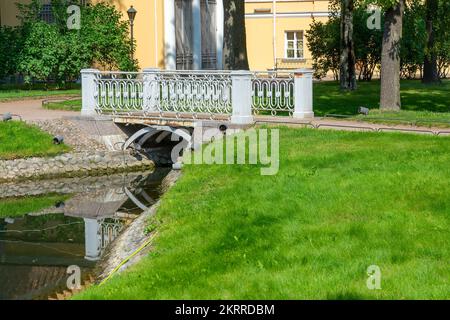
(47, 226)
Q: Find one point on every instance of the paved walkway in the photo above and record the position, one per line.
(31, 110)
(352, 125)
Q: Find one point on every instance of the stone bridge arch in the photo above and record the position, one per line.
(159, 135)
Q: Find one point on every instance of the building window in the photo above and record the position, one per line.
(46, 13)
(294, 45)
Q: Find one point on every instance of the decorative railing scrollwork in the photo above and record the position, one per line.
(188, 93)
(119, 92)
(273, 92)
(194, 93)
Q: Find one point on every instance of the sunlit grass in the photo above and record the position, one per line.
(329, 99)
(342, 201)
(69, 105)
(21, 140)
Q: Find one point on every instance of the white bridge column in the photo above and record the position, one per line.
(150, 90)
(169, 35)
(219, 33)
(88, 91)
(303, 94)
(92, 239)
(196, 35)
(241, 97)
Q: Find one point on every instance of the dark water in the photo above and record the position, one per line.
(51, 225)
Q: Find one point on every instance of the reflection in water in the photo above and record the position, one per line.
(36, 248)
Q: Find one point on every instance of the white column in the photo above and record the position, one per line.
(196, 35)
(241, 97)
(219, 33)
(303, 94)
(88, 91)
(92, 239)
(169, 35)
(150, 90)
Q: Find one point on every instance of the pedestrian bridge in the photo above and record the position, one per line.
(185, 97)
(153, 104)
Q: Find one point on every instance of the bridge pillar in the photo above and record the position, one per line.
(303, 94)
(241, 97)
(92, 239)
(150, 90)
(88, 77)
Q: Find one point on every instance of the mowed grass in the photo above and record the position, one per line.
(329, 99)
(341, 202)
(8, 92)
(15, 207)
(21, 140)
(69, 105)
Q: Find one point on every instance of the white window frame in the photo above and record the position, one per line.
(295, 32)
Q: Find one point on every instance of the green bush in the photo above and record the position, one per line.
(50, 51)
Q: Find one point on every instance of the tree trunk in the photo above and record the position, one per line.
(235, 42)
(390, 57)
(430, 67)
(347, 59)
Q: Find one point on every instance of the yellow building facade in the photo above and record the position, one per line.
(188, 34)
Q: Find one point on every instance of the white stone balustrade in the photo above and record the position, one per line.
(236, 95)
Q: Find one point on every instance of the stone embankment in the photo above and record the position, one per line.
(72, 165)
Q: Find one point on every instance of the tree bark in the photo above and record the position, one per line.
(430, 67)
(235, 41)
(347, 59)
(390, 57)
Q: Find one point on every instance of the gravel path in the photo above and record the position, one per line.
(31, 110)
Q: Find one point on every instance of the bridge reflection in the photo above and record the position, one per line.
(36, 248)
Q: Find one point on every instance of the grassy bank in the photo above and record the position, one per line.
(21, 140)
(15, 207)
(8, 92)
(340, 203)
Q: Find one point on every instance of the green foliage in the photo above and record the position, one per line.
(323, 42)
(412, 51)
(367, 44)
(442, 37)
(10, 45)
(52, 51)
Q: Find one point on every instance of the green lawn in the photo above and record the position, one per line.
(70, 105)
(8, 92)
(342, 201)
(15, 207)
(328, 98)
(21, 140)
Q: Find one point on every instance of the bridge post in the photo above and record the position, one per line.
(241, 97)
(150, 89)
(88, 77)
(92, 239)
(303, 94)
